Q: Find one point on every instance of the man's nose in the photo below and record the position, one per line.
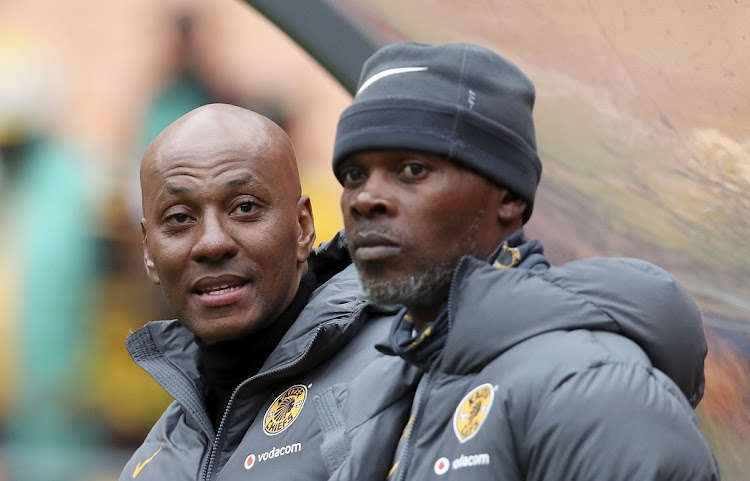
(374, 198)
(215, 243)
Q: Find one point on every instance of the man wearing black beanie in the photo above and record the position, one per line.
(586, 371)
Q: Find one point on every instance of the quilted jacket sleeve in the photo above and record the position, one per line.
(616, 422)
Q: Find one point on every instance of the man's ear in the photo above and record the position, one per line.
(511, 209)
(147, 261)
(306, 236)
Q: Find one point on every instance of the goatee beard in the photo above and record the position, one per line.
(426, 288)
(429, 285)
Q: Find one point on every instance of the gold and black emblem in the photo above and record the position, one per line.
(472, 411)
(508, 257)
(284, 410)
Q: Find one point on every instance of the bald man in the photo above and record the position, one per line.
(264, 322)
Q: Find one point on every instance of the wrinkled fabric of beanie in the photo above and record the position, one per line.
(459, 101)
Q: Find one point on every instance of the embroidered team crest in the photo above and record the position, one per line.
(284, 410)
(472, 411)
(508, 257)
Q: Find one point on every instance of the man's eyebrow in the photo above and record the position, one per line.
(241, 182)
(177, 190)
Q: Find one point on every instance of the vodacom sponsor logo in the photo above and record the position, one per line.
(272, 453)
(442, 465)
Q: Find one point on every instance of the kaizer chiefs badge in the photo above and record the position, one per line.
(284, 410)
(472, 411)
(508, 257)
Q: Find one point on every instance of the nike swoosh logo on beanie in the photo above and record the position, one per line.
(387, 73)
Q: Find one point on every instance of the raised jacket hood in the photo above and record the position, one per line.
(499, 308)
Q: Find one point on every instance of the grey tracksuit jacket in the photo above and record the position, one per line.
(585, 372)
(270, 428)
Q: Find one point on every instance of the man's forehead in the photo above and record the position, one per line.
(206, 147)
(178, 186)
(212, 157)
(185, 173)
(220, 143)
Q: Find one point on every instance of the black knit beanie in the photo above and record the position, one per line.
(460, 101)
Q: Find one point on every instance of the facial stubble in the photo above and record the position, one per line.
(427, 285)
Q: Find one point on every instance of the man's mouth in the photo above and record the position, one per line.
(220, 291)
(223, 289)
(373, 246)
(374, 253)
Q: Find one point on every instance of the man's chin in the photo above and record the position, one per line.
(427, 288)
(382, 297)
(213, 331)
(374, 270)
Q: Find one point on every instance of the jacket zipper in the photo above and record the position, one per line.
(209, 464)
(420, 398)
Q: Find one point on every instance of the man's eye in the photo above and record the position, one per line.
(413, 169)
(244, 208)
(178, 218)
(351, 175)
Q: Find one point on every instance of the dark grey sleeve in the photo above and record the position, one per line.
(616, 422)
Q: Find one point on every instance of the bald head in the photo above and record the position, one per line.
(226, 229)
(218, 130)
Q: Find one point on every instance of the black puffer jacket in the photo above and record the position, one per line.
(583, 372)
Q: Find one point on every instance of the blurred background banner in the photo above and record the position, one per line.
(643, 126)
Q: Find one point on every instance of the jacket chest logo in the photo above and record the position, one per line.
(284, 410)
(472, 411)
(143, 463)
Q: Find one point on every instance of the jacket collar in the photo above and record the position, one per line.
(493, 306)
(168, 352)
(492, 310)
(423, 348)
